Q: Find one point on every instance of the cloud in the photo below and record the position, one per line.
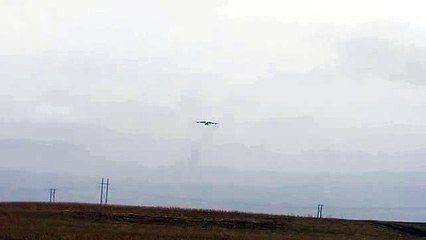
(154, 68)
(364, 58)
(329, 11)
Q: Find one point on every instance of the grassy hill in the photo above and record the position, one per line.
(87, 221)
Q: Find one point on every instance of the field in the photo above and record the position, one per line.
(86, 221)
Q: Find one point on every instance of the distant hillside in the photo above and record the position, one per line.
(32, 221)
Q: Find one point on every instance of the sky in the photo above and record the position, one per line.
(325, 96)
(343, 76)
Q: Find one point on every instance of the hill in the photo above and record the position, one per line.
(88, 221)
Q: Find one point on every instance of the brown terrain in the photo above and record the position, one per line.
(88, 221)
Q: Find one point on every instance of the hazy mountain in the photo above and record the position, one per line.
(30, 167)
(102, 146)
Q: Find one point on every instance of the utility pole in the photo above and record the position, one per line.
(104, 184)
(107, 191)
(319, 210)
(102, 192)
(52, 195)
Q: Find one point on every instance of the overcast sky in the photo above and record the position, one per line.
(288, 76)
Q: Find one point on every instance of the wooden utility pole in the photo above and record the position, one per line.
(52, 195)
(104, 184)
(319, 210)
(102, 192)
(107, 191)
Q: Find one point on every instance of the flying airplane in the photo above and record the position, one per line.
(207, 122)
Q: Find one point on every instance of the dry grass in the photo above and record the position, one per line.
(85, 221)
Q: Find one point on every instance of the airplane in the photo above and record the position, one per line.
(206, 123)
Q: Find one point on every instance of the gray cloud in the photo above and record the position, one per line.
(384, 58)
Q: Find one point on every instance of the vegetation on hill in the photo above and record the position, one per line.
(87, 221)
